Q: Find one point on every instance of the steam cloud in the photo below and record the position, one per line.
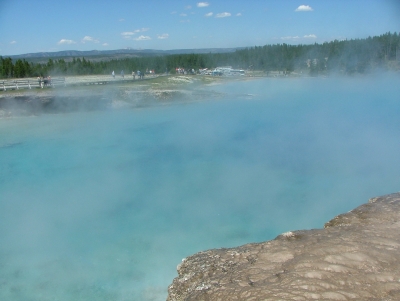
(103, 204)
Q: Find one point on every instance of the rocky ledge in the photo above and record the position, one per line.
(355, 257)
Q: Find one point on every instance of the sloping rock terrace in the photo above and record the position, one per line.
(355, 257)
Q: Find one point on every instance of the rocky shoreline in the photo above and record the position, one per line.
(355, 257)
(84, 97)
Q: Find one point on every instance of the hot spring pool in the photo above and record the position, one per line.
(103, 205)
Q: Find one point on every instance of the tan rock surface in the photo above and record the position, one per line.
(355, 257)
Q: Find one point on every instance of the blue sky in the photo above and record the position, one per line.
(51, 25)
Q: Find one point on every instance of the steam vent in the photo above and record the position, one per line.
(355, 257)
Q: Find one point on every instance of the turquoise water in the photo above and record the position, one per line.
(103, 205)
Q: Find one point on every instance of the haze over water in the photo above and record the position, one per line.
(103, 205)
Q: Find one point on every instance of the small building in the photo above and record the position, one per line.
(228, 71)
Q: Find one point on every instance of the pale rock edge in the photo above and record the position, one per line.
(355, 257)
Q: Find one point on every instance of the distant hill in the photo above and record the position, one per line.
(99, 55)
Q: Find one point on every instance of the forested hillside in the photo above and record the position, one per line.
(346, 57)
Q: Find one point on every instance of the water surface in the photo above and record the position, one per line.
(103, 205)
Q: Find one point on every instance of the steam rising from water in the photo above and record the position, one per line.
(103, 205)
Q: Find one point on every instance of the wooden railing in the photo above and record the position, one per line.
(29, 83)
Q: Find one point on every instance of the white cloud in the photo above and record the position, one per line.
(13, 42)
(223, 15)
(105, 44)
(188, 7)
(163, 36)
(128, 34)
(203, 4)
(208, 15)
(131, 33)
(183, 15)
(184, 21)
(304, 8)
(174, 12)
(89, 39)
(238, 14)
(310, 36)
(143, 38)
(290, 38)
(121, 20)
(65, 41)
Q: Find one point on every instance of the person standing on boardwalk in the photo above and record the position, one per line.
(113, 74)
(122, 73)
(133, 75)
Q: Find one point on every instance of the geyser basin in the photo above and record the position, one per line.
(102, 205)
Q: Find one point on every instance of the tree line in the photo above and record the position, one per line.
(346, 56)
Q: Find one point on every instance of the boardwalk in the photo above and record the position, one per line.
(101, 79)
(30, 83)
